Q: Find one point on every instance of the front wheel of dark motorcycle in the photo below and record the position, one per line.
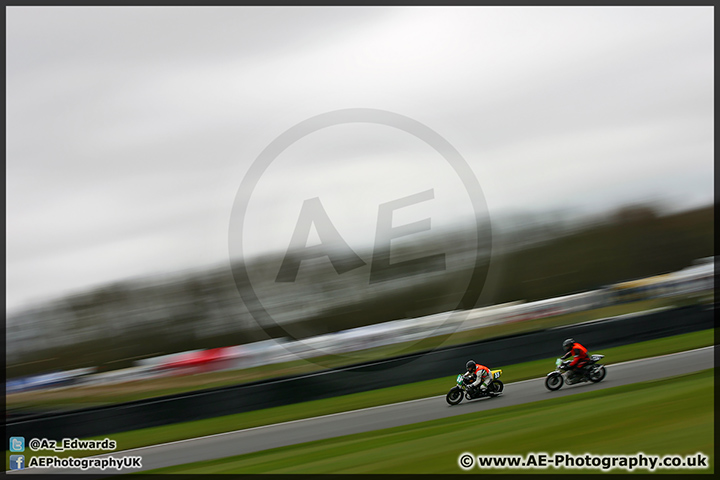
(454, 396)
(597, 374)
(553, 381)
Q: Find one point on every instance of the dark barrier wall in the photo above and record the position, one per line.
(496, 353)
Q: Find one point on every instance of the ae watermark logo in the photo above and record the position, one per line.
(357, 217)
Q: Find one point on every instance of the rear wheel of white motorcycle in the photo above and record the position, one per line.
(553, 381)
(454, 396)
(597, 374)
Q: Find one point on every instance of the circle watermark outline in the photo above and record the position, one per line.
(347, 116)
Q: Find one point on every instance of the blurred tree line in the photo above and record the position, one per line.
(632, 242)
(112, 326)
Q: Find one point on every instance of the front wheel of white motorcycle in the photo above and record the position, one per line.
(553, 381)
(597, 374)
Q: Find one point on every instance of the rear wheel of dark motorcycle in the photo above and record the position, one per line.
(553, 381)
(597, 374)
(454, 396)
(496, 386)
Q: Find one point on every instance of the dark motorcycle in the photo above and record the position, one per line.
(463, 388)
(591, 372)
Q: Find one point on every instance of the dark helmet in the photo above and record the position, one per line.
(567, 344)
(471, 366)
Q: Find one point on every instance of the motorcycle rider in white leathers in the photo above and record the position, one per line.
(481, 374)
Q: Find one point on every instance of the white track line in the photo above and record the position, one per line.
(666, 355)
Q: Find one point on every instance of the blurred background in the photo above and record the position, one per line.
(130, 130)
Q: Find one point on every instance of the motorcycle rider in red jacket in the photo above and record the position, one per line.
(579, 353)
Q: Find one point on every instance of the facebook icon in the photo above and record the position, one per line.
(17, 462)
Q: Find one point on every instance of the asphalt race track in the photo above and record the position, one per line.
(386, 416)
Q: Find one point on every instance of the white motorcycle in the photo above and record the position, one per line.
(592, 372)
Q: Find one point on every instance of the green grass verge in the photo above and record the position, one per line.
(440, 386)
(85, 396)
(655, 418)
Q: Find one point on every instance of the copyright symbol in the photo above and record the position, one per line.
(34, 444)
(466, 461)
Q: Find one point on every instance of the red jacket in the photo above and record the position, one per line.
(580, 353)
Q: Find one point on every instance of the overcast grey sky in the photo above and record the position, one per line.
(129, 129)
